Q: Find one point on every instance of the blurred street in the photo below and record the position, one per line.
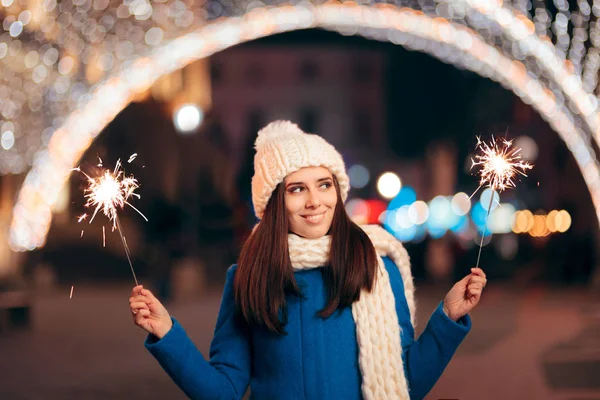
(528, 342)
(163, 100)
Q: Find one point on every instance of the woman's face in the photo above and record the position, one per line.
(310, 200)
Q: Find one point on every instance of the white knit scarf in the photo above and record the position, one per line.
(377, 327)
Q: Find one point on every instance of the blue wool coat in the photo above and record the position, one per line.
(316, 359)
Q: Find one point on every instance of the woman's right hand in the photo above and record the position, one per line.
(148, 313)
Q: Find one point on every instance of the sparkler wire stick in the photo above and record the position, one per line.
(500, 164)
(108, 193)
(485, 226)
(127, 253)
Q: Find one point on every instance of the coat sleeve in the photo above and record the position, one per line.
(227, 374)
(426, 357)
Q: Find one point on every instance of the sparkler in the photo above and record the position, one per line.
(500, 165)
(110, 192)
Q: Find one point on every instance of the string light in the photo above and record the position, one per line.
(69, 56)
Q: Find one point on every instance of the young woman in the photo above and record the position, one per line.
(317, 307)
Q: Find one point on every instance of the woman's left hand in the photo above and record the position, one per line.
(465, 294)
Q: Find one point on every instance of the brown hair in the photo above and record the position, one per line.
(265, 275)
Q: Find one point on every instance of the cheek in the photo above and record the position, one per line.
(332, 200)
(293, 204)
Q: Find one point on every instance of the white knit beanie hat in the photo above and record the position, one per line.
(282, 148)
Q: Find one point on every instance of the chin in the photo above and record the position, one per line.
(312, 232)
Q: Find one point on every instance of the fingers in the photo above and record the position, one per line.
(140, 298)
(142, 295)
(475, 286)
(465, 281)
(140, 318)
(136, 290)
(153, 303)
(138, 305)
(478, 276)
(147, 293)
(478, 279)
(137, 301)
(474, 291)
(478, 272)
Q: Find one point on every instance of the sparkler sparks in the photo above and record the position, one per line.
(500, 165)
(109, 192)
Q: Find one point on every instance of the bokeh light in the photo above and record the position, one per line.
(359, 176)
(405, 197)
(501, 220)
(507, 246)
(358, 210)
(389, 185)
(563, 221)
(551, 221)
(418, 212)
(539, 227)
(461, 203)
(523, 221)
(137, 43)
(7, 140)
(402, 218)
(439, 209)
(528, 146)
(478, 216)
(187, 118)
(485, 198)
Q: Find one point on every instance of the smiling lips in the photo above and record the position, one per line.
(315, 218)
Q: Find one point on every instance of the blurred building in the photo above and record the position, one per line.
(334, 91)
(195, 184)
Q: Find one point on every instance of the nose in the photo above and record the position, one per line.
(313, 200)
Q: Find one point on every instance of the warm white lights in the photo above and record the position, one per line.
(461, 203)
(7, 140)
(133, 45)
(187, 118)
(389, 185)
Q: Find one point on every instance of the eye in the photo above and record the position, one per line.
(296, 189)
(326, 185)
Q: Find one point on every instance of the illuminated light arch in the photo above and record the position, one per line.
(520, 29)
(413, 29)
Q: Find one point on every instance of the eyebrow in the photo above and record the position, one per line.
(302, 183)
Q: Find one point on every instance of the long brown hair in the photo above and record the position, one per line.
(265, 275)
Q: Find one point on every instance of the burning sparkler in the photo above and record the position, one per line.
(110, 192)
(500, 165)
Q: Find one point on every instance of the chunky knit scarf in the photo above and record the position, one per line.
(377, 327)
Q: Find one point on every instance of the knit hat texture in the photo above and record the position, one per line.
(283, 148)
